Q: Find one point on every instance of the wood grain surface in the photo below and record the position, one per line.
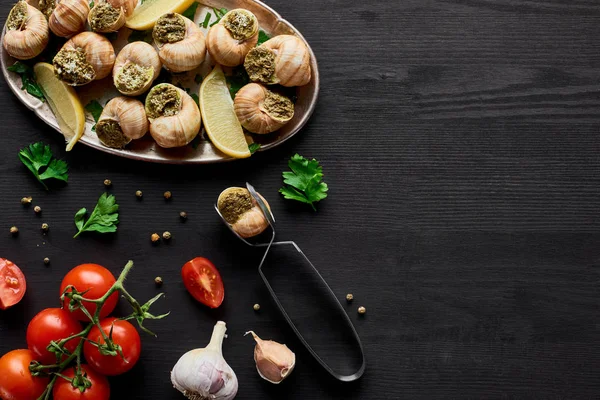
(460, 140)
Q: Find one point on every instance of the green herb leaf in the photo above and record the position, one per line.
(196, 99)
(262, 37)
(20, 68)
(95, 109)
(219, 13)
(198, 79)
(237, 80)
(191, 11)
(27, 79)
(91, 4)
(206, 20)
(253, 147)
(104, 218)
(305, 182)
(38, 158)
(141, 36)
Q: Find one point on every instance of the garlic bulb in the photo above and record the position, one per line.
(69, 17)
(104, 17)
(260, 110)
(241, 212)
(274, 361)
(123, 119)
(181, 44)
(136, 67)
(284, 59)
(173, 114)
(84, 58)
(204, 373)
(27, 32)
(233, 37)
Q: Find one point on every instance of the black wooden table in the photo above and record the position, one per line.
(460, 140)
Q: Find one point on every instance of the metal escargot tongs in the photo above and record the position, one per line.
(319, 320)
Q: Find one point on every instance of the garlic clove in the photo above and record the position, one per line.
(27, 33)
(274, 361)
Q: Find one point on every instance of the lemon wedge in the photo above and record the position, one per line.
(220, 121)
(145, 15)
(63, 101)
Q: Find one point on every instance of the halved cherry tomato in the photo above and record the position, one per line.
(64, 390)
(12, 284)
(203, 281)
(98, 280)
(16, 382)
(51, 324)
(123, 334)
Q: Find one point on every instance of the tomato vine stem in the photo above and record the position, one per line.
(140, 313)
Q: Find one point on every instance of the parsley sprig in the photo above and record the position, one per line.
(103, 219)
(94, 108)
(305, 182)
(191, 11)
(27, 79)
(38, 158)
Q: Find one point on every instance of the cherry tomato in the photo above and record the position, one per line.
(203, 281)
(125, 335)
(64, 390)
(98, 280)
(16, 382)
(12, 284)
(51, 324)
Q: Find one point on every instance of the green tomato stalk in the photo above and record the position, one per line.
(109, 347)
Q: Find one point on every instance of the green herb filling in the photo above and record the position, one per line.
(133, 77)
(17, 17)
(241, 24)
(47, 7)
(72, 67)
(110, 134)
(103, 17)
(278, 106)
(234, 203)
(260, 65)
(169, 28)
(163, 101)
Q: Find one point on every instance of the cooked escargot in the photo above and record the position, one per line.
(136, 67)
(283, 60)
(233, 37)
(86, 57)
(241, 212)
(26, 32)
(181, 44)
(260, 110)
(173, 114)
(122, 120)
(109, 15)
(68, 17)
